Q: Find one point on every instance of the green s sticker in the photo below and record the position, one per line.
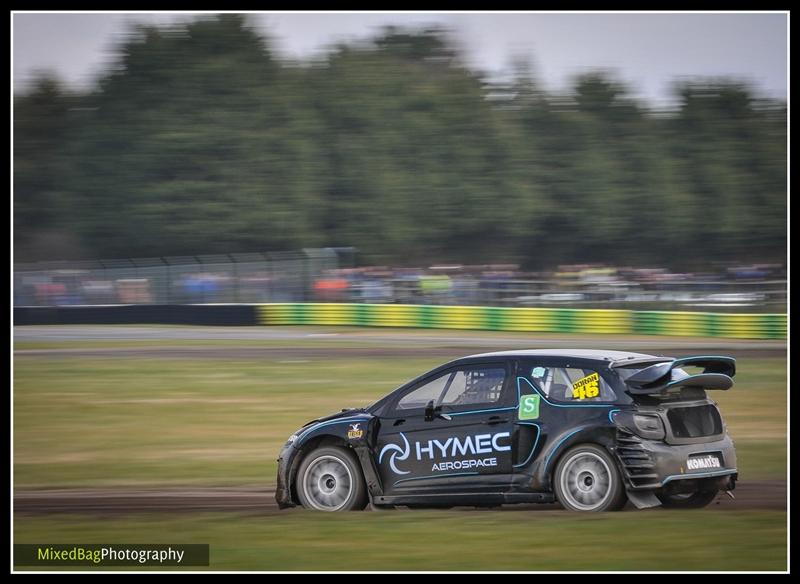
(529, 407)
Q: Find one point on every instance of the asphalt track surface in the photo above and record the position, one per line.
(352, 342)
(749, 495)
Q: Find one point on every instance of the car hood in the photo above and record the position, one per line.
(342, 414)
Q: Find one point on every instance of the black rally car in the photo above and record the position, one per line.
(587, 428)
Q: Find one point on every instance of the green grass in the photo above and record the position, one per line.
(108, 421)
(448, 540)
(756, 411)
(141, 421)
(82, 421)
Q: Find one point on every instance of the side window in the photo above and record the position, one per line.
(470, 386)
(420, 397)
(571, 384)
(475, 386)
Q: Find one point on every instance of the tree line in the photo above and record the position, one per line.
(199, 139)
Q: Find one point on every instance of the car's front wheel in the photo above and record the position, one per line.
(696, 500)
(586, 479)
(330, 479)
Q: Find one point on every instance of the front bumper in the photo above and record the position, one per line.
(649, 464)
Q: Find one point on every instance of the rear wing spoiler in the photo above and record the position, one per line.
(717, 373)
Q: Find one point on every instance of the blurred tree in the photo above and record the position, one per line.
(199, 140)
(417, 162)
(731, 160)
(42, 208)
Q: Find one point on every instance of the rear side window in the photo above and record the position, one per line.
(571, 384)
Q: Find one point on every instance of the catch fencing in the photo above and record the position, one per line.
(203, 279)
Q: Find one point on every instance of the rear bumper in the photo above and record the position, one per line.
(649, 465)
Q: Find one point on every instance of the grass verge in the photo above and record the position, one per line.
(448, 540)
(101, 422)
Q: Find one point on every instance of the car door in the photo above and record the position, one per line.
(557, 396)
(465, 448)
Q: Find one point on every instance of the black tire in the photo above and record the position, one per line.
(587, 479)
(330, 479)
(696, 500)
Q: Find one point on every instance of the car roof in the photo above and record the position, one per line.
(590, 354)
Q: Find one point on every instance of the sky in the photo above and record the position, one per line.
(647, 51)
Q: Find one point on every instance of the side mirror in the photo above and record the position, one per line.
(431, 413)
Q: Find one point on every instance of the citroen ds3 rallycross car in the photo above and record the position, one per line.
(590, 429)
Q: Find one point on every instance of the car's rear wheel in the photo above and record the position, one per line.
(586, 479)
(330, 479)
(696, 500)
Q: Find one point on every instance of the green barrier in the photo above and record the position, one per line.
(546, 320)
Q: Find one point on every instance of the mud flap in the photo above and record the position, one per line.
(643, 499)
(367, 461)
(374, 487)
